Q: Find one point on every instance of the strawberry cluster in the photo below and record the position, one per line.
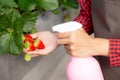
(31, 44)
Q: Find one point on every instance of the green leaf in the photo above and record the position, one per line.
(3, 10)
(70, 3)
(34, 30)
(4, 23)
(29, 20)
(2, 51)
(10, 3)
(15, 44)
(18, 25)
(16, 1)
(48, 4)
(4, 41)
(1, 31)
(13, 15)
(11, 43)
(12, 20)
(27, 5)
(16, 21)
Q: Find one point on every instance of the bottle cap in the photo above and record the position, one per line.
(67, 26)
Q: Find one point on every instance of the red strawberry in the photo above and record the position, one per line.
(29, 38)
(39, 44)
(29, 46)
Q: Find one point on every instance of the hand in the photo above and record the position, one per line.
(49, 39)
(78, 43)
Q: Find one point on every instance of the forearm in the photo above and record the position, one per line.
(110, 48)
(101, 46)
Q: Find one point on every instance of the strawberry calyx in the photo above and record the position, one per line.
(29, 46)
(23, 37)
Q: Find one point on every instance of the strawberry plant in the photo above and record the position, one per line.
(18, 17)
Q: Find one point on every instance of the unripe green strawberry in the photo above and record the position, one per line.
(23, 37)
(27, 57)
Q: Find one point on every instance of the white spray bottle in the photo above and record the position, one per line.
(79, 68)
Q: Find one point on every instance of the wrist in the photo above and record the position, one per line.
(101, 46)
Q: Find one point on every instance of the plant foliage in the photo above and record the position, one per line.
(19, 16)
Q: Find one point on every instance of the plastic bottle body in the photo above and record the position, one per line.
(83, 69)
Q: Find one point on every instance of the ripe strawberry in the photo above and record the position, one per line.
(39, 44)
(29, 38)
(29, 46)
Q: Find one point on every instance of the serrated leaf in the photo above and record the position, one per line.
(18, 25)
(2, 51)
(13, 15)
(28, 26)
(12, 20)
(4, 23)
(15, 44)
(29, 21)
(70, 3)
(4, 41)
(10, 3)
(27, 5)
(11, 43)
(34, 30)
(3, 10)
(48, 4)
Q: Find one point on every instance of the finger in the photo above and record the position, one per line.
(63, 35)
(35, 35)
(35, 55)
(24, 50)
(63, 41)
(67, 47)
(37, 52)
(81, 29)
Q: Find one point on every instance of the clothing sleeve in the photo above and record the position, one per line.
(85, 19)
(114, 52)
(84, 16)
